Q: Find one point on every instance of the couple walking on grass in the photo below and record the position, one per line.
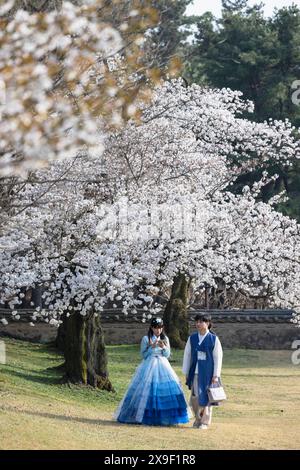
(155, 395)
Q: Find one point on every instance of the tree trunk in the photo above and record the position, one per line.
(175, 316)
(60, 340)
(84, 351)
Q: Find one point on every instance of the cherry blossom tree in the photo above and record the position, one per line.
(191, 139)
(67, 72)
(153, 215)
(70, 72)
(49, 244)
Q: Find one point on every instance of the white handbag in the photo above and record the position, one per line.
(216, 393)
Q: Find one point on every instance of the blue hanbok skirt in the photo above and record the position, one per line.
(154, 396)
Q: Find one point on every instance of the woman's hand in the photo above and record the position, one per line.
(214, 380)
(161, 344)
(153, 344)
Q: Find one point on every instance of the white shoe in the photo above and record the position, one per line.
(203, 426)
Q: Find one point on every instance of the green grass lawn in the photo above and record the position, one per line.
(38, 412)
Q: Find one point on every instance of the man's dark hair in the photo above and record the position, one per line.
(205, 318)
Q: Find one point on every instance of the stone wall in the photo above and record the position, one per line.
(232, 334)
(39, 333)
(257, 336)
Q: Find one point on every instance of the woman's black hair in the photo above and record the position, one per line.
(205, 318)
(156, 322)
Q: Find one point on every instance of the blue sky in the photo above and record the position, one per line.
(201, 6)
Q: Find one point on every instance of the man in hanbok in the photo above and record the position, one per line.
(202, 363)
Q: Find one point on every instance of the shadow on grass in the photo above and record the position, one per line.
(42, 379)
(75, 419)
(57, 378)
(31, 345)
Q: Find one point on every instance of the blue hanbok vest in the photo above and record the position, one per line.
(205, 364)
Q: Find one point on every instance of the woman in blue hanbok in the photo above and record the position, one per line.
(154, 396)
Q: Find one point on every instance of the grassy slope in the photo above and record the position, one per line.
(37, 412)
